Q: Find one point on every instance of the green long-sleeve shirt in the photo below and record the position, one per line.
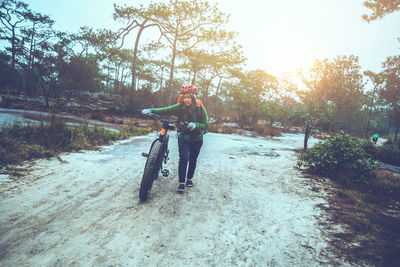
(201, 122)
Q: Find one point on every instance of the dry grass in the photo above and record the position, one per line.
(223, 129)
(20, 142)
(261, 130)
(370, 216)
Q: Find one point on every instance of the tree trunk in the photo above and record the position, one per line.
(306, 136)
(134, 60)
(370, 112)
(117, 76)
(368, 123)
(122, 77)
(219, 84)
(206, 93)
(33, 55)
(13, 49)
(194, 77)
(395, 133)
(162, 77)
(108, 75)
(171, 74)
(46, 97)
(30, 63)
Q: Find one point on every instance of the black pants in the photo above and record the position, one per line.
(188, 152)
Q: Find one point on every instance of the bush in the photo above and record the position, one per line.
(368, 147)
(339, 156)
(389, 154)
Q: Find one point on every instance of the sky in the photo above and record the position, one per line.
(277, 36)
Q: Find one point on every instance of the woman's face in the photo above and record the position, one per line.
(187, 99)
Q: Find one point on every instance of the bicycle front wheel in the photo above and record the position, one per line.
(151, 170)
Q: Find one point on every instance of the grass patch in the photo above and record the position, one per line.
(20, 142)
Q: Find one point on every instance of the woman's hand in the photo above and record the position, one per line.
(192, 126)
(146, 111)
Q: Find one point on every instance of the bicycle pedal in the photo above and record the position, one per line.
(165, 173)
(145, 154)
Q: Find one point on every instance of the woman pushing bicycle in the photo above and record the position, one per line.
(190, 137)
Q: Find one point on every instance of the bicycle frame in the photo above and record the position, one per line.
(158, 154)
(163, 137)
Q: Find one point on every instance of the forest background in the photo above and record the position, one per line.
(192, 43)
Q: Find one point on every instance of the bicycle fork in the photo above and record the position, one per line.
(165, 172)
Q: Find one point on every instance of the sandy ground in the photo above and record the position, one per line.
(249, 207)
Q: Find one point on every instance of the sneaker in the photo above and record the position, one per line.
(189, 183)
(181, 188)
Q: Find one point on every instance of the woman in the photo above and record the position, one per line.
(190, 138)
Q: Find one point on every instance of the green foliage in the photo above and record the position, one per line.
(341, 155)
(389, 154)
(80, 74)
(368, 147)
(37, 60)
(334, 95)
(250, 93)
(390, 93)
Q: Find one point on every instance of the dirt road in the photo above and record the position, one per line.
(249, 207)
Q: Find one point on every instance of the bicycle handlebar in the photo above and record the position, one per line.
(153, 116)
(158, 117)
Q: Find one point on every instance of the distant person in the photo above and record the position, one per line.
(375, 138)
(190, 138)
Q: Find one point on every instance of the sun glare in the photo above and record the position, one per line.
(290, 53)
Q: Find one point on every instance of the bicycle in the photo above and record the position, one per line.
(158, 154)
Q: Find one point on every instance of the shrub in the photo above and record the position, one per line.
(341, 155)
(219, 128)
(368, 147)
(389, 154)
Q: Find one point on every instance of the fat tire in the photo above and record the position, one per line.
(151, 170)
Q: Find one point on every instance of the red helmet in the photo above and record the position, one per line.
(188, 88)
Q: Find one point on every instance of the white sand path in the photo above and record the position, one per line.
(249, 207)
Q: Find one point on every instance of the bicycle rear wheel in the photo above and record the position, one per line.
(151, 170)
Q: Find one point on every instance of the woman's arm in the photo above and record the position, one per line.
(172, 110)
